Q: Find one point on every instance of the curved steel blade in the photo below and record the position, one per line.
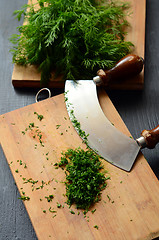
(104, 138)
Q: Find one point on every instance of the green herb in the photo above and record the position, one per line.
(44, 211)
(63, 161)
(59, 205)
(85, 212)
(52, 211)
(72, 212)
(40, 117)
(20, 162)
(93, 211)
(84, 179)
(37, 131)
(24, 198)
(96, 226)
(75, 37)
(25, 166)
(31, 125)
(108, 197)
(49, 198)
(30, 180)
(108, 177)
(75, 122)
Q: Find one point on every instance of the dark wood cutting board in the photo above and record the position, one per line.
(30, 77)
(129, 208)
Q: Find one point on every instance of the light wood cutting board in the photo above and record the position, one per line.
(30, 77)
(129, 208)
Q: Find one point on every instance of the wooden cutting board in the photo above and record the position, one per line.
(30, 77)
(129, 208)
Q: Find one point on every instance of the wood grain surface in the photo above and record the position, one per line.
(29, 76)
(139, 109)
(129, 208)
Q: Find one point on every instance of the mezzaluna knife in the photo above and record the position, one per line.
(84, 111)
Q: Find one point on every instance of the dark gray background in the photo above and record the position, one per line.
(139, 110)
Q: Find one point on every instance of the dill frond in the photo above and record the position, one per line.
(74, 37)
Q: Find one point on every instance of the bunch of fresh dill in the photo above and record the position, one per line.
(74, 37)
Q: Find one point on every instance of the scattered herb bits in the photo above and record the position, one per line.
(93, 211)
(72, 212)
(52, 210)
(24, 197)
(96, 226)
(74, 37)
(59, 205)
(40, 117)
(35, 131)
(49, 198)
(84, 179)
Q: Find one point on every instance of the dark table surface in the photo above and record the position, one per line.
(138, 109)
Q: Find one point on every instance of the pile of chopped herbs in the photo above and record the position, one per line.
(74, 37)
(84, 179)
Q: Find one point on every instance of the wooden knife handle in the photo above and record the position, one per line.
(128, 66)
(151, 137)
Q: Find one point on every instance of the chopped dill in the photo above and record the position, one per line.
(49, 198)
(72, 212)
(57, 126)
(24, 198)
(40, 117)
(84, 179)
(96, 226)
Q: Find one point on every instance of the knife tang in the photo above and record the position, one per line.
(129, 66)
